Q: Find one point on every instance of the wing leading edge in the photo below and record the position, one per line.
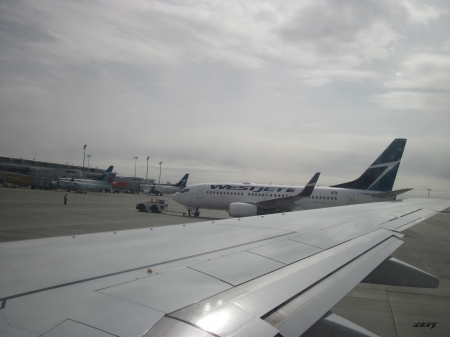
(269, 275)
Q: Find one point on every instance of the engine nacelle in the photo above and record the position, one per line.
(241, 209)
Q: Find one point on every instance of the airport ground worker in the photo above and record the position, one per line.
(65, 199)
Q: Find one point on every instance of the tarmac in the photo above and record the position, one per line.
(383, 310)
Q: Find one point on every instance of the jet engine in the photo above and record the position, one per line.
(241, 209)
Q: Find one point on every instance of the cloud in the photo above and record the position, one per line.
(410, 100)
(421, 83)
(234, 90)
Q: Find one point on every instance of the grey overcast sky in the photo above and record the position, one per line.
(262, 91)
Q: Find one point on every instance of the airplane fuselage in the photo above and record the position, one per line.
(82, 184)
(220, 196)
(163, 189)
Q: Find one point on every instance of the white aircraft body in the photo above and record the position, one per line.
(275, 275)
(248, 199)
(83, 185)
(160, 189)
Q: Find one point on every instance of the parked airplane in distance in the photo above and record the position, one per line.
(167, 189)
(248, 199)
(83, 185)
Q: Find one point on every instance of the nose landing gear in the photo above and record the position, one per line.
(192, 210)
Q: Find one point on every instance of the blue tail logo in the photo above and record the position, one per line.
(380, 176)
(183, 181)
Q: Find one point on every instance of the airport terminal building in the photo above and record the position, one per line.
(53, 170)
(36, 173)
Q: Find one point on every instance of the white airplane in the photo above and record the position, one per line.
(83, 185)
(167, 189)
(248, 199)
(275, 275)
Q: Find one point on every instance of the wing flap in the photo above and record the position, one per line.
(407, 220)
(238, 268)
(332, 325)
(168, 291)
(335, 235)
(169, 327)
(261, 295)
(43, 311)
(310, 306)
(70, 328)
(286, 251)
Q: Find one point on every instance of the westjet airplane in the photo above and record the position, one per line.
(83, 185)
(164, 188)
(248, 199)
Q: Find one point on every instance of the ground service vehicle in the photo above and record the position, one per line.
(154, 206)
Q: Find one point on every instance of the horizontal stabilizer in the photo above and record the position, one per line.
(398, 273)
(332, 325)
(392, 193)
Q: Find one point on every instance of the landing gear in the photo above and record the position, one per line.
(196, 213)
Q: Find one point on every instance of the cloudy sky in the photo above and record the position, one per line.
(262, 91)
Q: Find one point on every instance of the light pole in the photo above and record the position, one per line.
(429, 190)
(146, 175)
(160, 163)
(89, 156)
(135, 160)
(84, 153)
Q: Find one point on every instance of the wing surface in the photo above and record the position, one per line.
(255, 276)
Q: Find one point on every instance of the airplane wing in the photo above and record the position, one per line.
(275, 275)
(286, 202)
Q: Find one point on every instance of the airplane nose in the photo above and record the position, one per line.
(176, 196)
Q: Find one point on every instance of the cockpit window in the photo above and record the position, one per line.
(185, 190)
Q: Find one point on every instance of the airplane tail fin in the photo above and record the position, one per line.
(380, 176)
(183, 181)
(109, 169)
(109, 177)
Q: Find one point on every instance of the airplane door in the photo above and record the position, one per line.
(351, 199)
(200, 192)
